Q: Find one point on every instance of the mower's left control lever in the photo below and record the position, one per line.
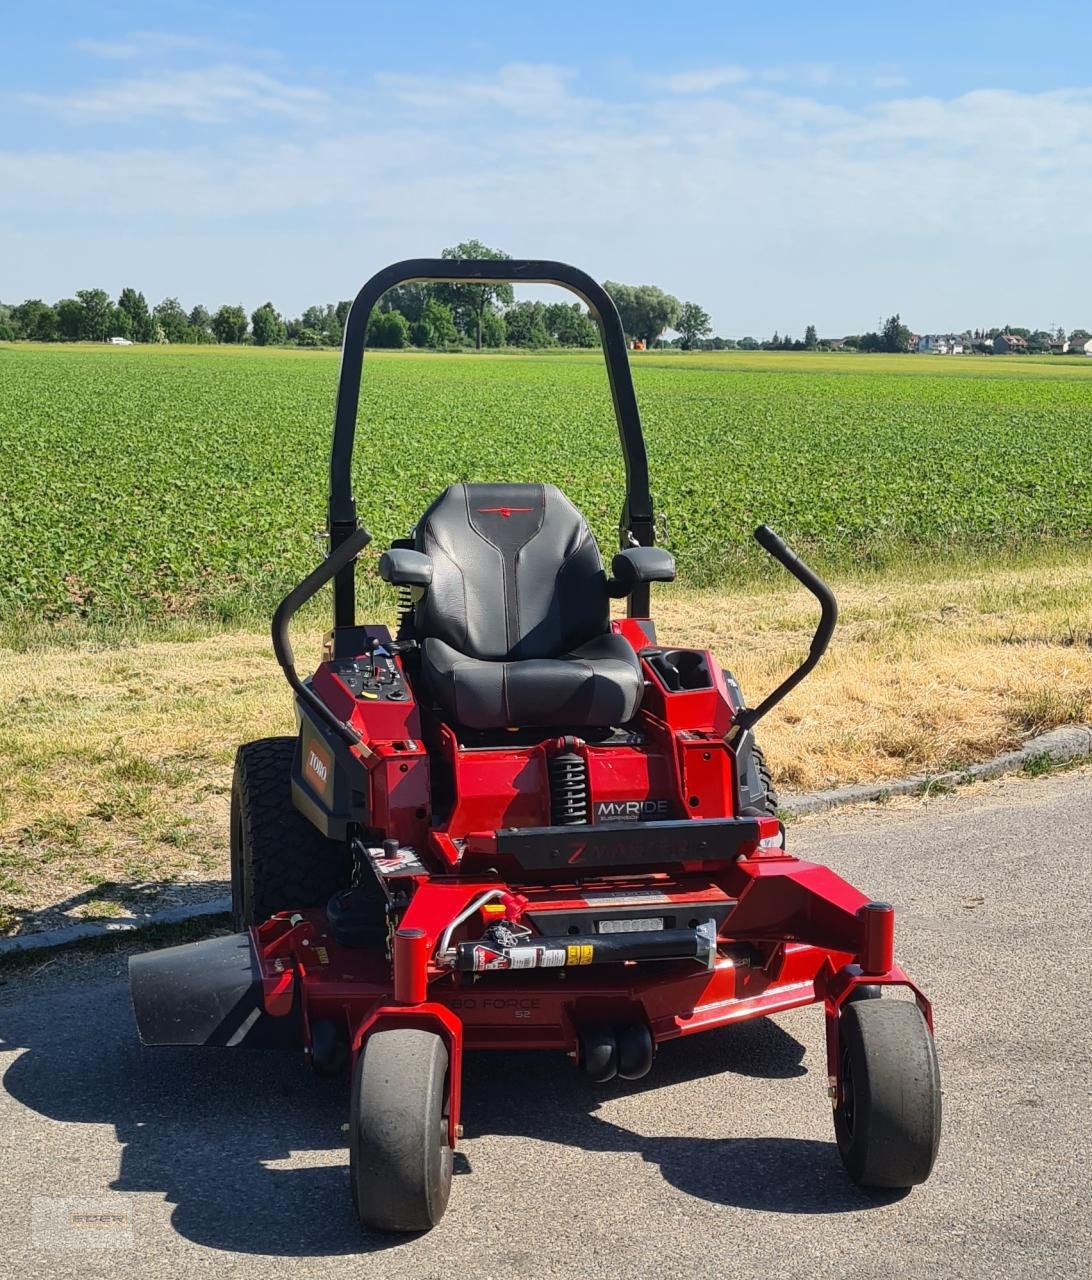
(340, 557)
(783, 554)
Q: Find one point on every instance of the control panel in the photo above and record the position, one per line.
(373, 676)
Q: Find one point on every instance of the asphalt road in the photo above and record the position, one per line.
(721, 1163)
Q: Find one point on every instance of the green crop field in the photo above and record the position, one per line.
(191, 481)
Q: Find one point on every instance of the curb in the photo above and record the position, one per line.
(1060, 745)
(49, 939)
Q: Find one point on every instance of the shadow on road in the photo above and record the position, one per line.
(206, 1128)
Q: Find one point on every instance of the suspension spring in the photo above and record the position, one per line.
(568, 786)
(405, 612)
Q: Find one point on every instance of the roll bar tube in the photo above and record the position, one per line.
(636, 520)
(828, 617)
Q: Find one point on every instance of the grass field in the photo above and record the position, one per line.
(155, 504)
(190, 482)
(117, 757)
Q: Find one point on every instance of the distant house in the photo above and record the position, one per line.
(1006, 344)
(119, 342)
(1059, 346)
(940, 344)
(1083, 345)
(833, 344)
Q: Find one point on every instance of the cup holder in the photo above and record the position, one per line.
(680, 670)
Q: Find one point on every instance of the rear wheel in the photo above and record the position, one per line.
(887, 1112)
(279, 861)
(769, 791)
(400, 1159)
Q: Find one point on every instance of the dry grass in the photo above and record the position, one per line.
(922, 676)
(118, 758)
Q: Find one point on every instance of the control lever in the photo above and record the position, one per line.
(828, 616)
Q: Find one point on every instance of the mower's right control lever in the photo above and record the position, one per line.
(782, 553)
(340, 557)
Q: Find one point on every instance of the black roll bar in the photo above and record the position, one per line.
(635, 526)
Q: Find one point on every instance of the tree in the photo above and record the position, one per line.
(749, 344)
(896, 336)
(436, 327)
(324, 320)
(693, 324)
(410, 299)
(570, 325)
(811, 338)
(173, 320)
(494, 329)
(469, 302)
(388, 329)
(117, 323)
(133, 305)
(70, 319)
(229, 324)
(95, 306)
(645, 310)
(526, 325)
(200, 319)
(35, 319)
(267, 326)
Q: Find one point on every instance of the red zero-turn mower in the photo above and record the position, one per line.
(516, 824)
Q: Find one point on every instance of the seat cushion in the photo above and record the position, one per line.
(598, 684)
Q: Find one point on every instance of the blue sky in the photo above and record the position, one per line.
(781, 164)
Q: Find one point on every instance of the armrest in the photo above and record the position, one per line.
(640, 564)
(405, 568)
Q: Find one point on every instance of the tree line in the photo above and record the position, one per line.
(447, 317)
(436, 316)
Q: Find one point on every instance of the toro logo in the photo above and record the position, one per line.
(316, 766)
(630, 810)
(502, 511)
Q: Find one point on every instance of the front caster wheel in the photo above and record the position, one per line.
(399, 1156)
(887, 1111)
(598, 1053)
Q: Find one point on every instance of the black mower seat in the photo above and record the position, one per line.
(515, 625)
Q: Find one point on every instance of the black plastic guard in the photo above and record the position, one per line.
(627, 844)
(206, 993)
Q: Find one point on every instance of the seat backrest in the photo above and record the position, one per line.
(516, 572)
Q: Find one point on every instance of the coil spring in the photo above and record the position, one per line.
(568, 789)
(405, 613)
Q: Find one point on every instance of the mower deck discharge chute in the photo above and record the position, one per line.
(518, 824)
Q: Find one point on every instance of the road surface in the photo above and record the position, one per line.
(721, 1163)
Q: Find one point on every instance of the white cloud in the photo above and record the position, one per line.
(209, 95)
(520, 89)
(768, 206)
(140, 44)
(701, 81)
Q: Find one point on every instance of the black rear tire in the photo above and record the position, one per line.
(769, 791)
(887, 1113)
(279, 861)
(400, 1159)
